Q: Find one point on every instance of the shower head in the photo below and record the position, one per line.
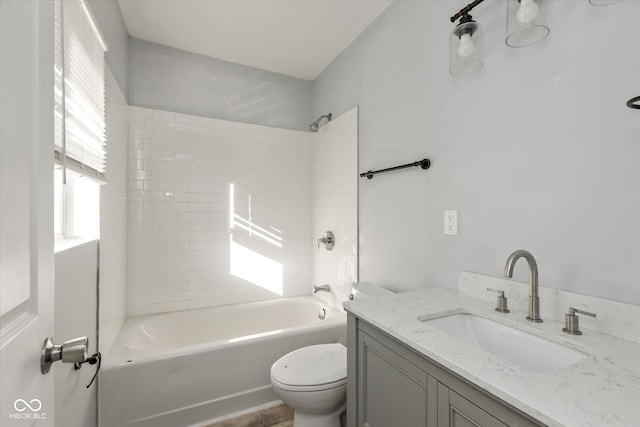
(315, 126)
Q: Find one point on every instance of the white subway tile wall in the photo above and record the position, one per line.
(335, 205)
(219, 212)
(113, 217)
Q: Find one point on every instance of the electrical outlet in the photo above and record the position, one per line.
(451, 222)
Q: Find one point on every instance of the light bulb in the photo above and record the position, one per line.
(465, 48)
(527, 12)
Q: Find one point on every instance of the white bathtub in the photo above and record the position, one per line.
(187, 368)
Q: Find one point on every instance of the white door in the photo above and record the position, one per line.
(26, 210)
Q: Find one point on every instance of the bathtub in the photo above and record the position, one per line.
(188, 368)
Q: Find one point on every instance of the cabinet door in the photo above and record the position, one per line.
(391, 390)
(456, 411)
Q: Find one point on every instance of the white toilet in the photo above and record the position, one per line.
(313, 381)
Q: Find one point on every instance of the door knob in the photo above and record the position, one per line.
(72, 351)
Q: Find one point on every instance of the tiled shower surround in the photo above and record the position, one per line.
(219, 212)
(113, 217)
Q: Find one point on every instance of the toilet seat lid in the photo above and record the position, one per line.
(313, 365)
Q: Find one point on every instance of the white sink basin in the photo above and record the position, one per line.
(522, 348)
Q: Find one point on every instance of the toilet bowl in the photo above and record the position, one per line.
(313, 381)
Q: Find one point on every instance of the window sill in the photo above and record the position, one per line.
(63, 244)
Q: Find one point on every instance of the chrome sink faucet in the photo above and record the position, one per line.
(534, 299)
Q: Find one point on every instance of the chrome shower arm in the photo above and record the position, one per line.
(315, 126)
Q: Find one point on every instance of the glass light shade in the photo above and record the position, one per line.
(602, 2)
(465, 48)
(525, 23)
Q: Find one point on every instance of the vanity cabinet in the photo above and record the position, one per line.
(391, 385)
(456, 411)
(392, 390)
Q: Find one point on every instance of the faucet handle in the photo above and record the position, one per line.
(571, 325)
(573, 311)
(502, 300)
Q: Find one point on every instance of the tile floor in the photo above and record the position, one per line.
(277, 416)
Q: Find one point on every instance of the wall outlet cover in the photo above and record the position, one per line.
(451, 222)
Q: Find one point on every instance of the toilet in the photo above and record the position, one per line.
(313, 381)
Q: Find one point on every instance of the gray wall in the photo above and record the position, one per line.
(165, 78)
(536, 151)
(109, 17)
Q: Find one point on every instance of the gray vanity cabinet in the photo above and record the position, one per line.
(394, 392)
(391, 385)
(456, 411)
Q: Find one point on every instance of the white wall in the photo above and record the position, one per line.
(166, 78)
(113, 29)
(113, 216)
(335, 205)
(536, 151)
(76, 293)
(182, 253)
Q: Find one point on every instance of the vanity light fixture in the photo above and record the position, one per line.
(603, 2)
(465, 42)
(525, 27)
(634, 103)
(525, 23)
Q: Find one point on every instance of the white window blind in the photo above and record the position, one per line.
(80, 124)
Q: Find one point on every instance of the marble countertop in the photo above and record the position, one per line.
(601, 390)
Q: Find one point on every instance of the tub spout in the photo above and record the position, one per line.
(326, 288)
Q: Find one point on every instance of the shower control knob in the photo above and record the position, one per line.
(328, 240)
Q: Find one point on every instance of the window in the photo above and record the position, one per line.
(76, 206)
(80, 144)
